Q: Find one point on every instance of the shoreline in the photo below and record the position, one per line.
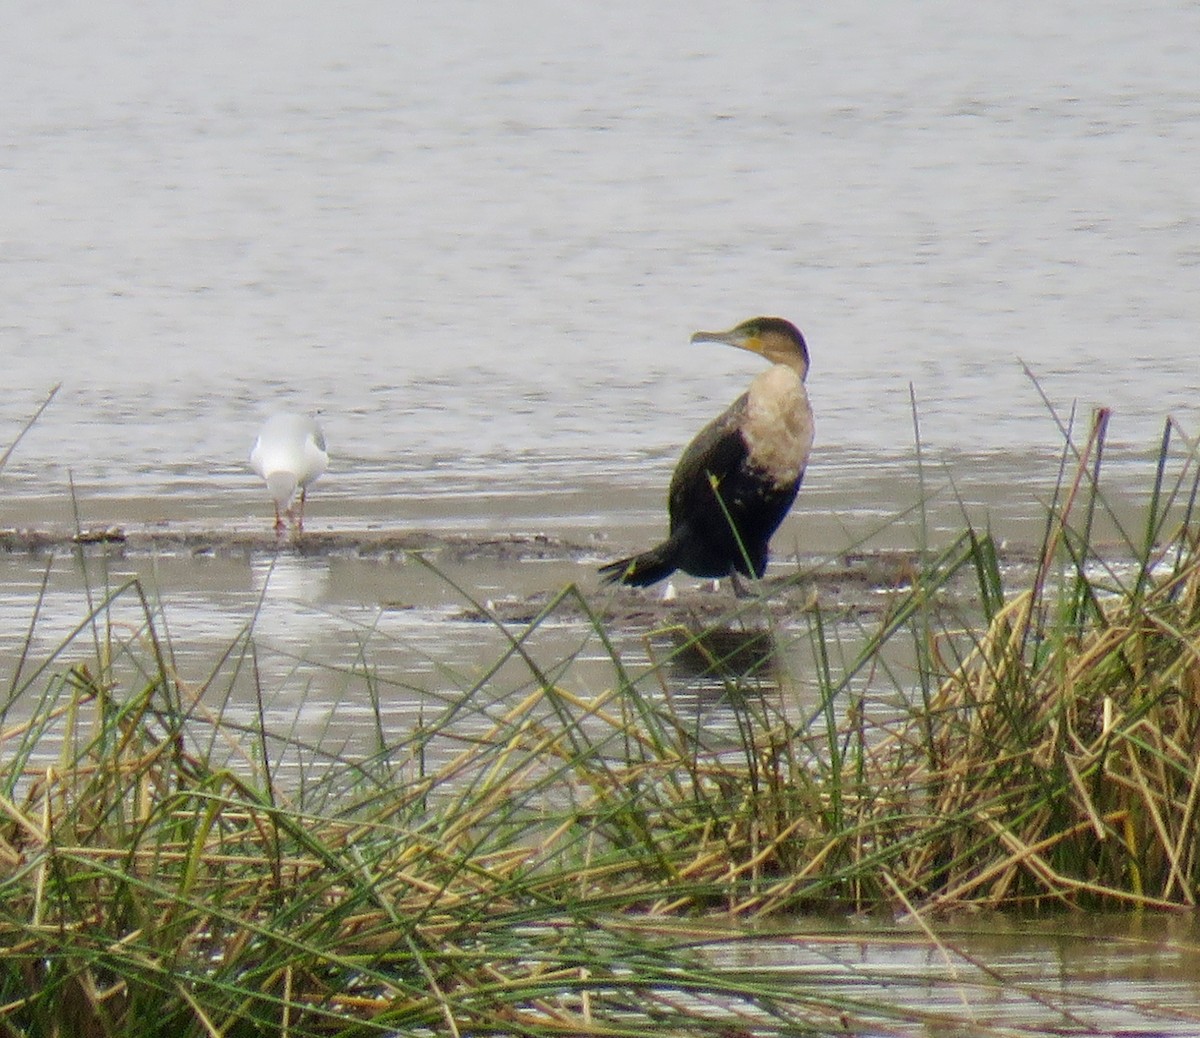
(858, 582)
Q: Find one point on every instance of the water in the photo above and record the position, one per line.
(1074, 975)
(477, 238)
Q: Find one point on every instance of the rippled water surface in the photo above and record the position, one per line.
(476, 238)
(1104, 975)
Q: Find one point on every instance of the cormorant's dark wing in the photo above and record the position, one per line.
(715, 530)
(715, 452)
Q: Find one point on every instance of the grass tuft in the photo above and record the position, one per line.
(1002, 736)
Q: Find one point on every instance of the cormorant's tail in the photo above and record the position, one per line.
(642, 570)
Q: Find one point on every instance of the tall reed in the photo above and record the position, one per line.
(519, 862)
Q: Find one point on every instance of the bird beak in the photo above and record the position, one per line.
(735, 337)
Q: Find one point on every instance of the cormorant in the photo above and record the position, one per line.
(289, 454)
(739, 476)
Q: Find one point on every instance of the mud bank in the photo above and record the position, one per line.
(524, 575)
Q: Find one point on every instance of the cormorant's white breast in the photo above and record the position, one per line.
(778, 427)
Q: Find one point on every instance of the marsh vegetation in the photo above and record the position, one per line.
(542, 857)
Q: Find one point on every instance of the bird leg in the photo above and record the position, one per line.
(740, 588)
(300, 511)
(280, 525)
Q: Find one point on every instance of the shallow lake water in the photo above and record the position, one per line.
(1072, 975)
(477, 238)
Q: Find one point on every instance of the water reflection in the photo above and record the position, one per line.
(725, 656)
(1078, 974)
(723, 689)
(290, 588)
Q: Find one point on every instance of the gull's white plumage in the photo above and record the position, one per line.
(289, 454)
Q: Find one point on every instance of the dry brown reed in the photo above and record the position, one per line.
(1046, 756)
